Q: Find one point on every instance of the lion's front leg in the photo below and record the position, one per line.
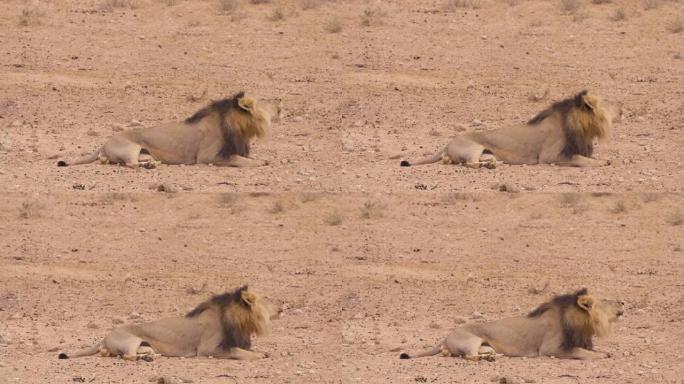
(582, 354)
(583, 161)
(239, 354)
(240, 161)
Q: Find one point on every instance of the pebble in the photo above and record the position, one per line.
(135, 123)
(460, 320)
(93, 326)
(117, 320)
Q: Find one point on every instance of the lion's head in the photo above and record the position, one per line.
(242, 314)
(583, 117)
(582, 317)
(240, 118)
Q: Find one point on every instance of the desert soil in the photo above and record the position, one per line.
(369, 258)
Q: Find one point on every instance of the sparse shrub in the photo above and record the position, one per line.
(333, 218)
(228, 6)
(372, 209)
(228, 199)
(452, 5)
(618, 15)
(333, 25)
(569, 6)
(619, 207)
(277, 207)
(569, 200)
(371, 17)
(676, 25)
(277, 15)
(28, 210)
(310, 4)
(110, 5)
(308, 197)
(30, 16)
(650, 4)
(676, 218)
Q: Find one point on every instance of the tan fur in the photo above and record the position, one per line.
(563, 327)
(562, 134)
(221, 327)
(218, 134)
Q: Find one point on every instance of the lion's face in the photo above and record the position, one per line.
(613, 309)
(273, 106)
(273, 307)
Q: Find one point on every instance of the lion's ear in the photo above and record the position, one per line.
(588, 102)
(247, 104)
(585, 302)
(248, 298)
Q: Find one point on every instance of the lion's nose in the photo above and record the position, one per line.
(620, 312)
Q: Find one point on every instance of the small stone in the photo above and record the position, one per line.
(117, 320)
(135, 123)
(460, 320)
(92, 133)
(135, 316)
(476, 123)
(477, 315)
(118, 127)
(93, 326)
(460, 127)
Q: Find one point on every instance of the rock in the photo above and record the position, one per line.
(460, 320)
(477, 316)
(135, 123)
(476, 123)
(118, 127)
(168, 188)
(93, 326)
(117, 320)
(460, 127)
(92, 133)
(135, 316)
(507, 380)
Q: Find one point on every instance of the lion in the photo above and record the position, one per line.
(220, 327)
(218, 134)
(562, 134)
(563, 328)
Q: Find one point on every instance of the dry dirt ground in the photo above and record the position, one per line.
(362, 277)
(357, 101)
(393, 258)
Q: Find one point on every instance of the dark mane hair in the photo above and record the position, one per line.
(232, 337)
(233, 144)
(572, 336)
(574, 143)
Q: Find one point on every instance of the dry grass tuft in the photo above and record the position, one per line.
(569, 6)
(310, 4)
(307, 197)
(676, 25)
(569, 200)
(372, 209)
(333, 25)
(228, 199)
(371, 17)
(29, 209)
(277, 207)
(110, 5)
(618, 207)
(30, 16)
(277, 15)
(228, 6)
(618, 15)
(676, 218)
(333, 218)
(452, 5)
(650, 4)
(601, 1)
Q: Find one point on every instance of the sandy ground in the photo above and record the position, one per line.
(362, 279)
(370, 259)
(356, 101)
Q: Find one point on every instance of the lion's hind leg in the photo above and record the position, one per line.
(463, 343)
(127, 345)
(462, 150)
(119, 150)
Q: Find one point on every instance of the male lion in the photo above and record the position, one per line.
(562, 134)
(562, 327)
(218, 134)
(221, 327)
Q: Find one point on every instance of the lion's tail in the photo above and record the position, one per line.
(83, 160)
(428, 160)
(86, 352)
(426, 352)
